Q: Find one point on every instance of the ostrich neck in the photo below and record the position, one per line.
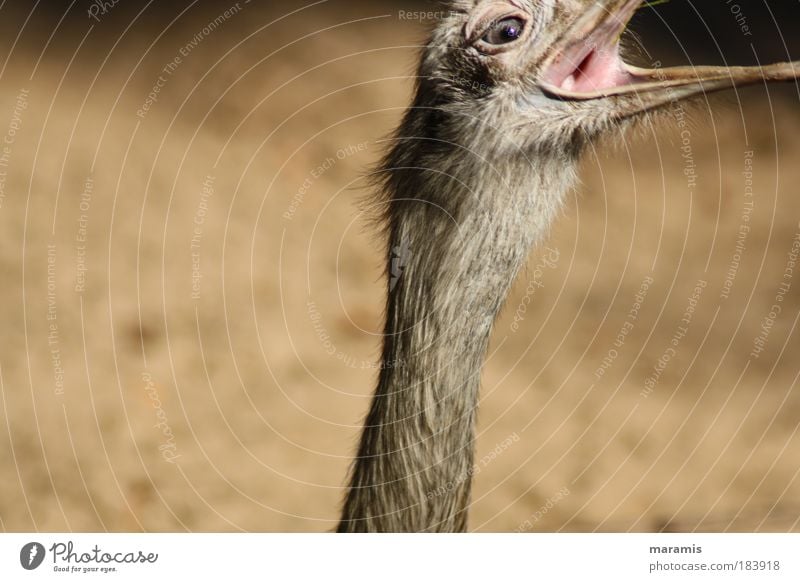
(453, 256)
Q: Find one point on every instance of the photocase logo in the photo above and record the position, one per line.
(32, 555)
(401, 254)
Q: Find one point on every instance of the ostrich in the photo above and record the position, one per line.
(508, 95)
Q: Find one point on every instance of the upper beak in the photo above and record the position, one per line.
(586, 64)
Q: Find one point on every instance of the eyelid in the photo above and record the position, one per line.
(477, 28)
(502, 26)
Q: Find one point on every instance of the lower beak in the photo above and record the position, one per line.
(586, 65)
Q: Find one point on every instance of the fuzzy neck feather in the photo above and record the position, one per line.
(458, 235)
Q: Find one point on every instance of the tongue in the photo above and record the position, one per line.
(579, 71)
(598, 71)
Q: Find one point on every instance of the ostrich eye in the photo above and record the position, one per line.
(504, 31)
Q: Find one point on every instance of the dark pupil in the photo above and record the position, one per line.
(505, 31)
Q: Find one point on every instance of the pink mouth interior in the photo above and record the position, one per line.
(587, 68)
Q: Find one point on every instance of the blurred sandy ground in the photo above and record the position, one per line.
(260, 375)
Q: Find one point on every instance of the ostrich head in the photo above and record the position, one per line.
(548, 73)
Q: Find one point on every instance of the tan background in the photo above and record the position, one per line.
(262, 402)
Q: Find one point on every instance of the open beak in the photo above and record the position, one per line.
(586, 65)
